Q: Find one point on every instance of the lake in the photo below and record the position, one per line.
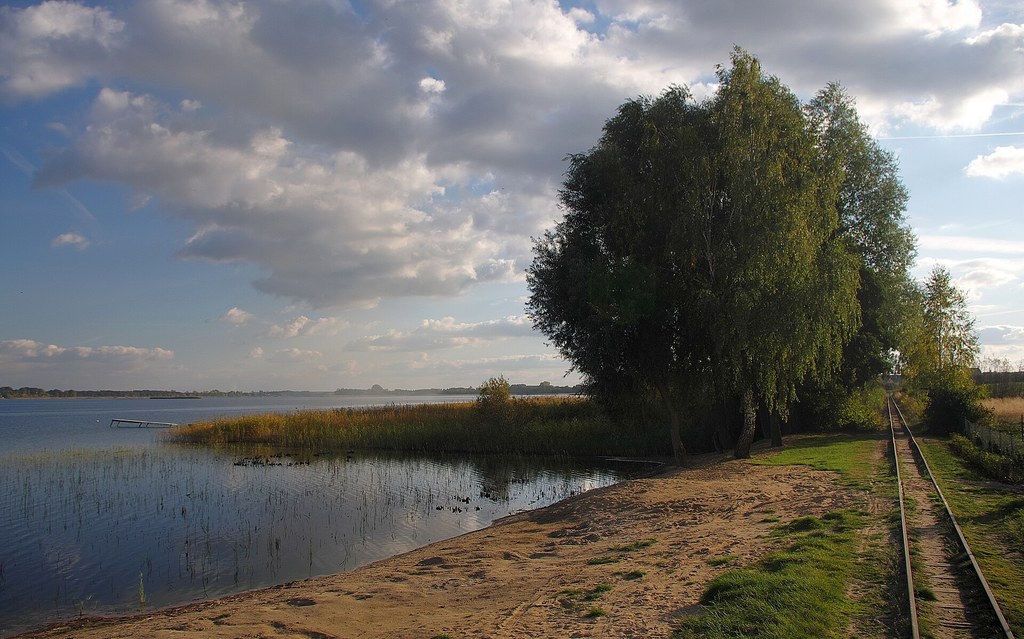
(95, 520)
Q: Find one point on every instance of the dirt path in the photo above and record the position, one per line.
(639, 551)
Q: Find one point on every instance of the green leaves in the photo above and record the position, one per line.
(708, 249)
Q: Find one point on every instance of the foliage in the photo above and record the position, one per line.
(495, 402)
(495, 391)
(698, 255)
(797, 592)
(952, 398)
(994, 466)
(833, 407)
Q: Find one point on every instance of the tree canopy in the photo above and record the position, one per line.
(712, 250)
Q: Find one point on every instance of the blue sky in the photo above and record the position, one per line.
(317, 194)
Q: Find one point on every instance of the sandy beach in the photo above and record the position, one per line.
(624, 561)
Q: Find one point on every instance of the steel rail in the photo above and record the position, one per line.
(915, 628)
(989, 595)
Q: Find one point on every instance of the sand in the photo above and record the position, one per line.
(529, 575)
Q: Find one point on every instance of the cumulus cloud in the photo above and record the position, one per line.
(74, 240)
(237, 316)
(306, 327)
(398, 152)
(53, 46)
(27, 350)
(1001, 334)
(296, 355)
(444, 333)
(1003, 162)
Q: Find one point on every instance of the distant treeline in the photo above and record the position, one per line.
(1001, 384)
(28, 392)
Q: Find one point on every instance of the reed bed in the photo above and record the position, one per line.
(1006, 411)
(560, 426)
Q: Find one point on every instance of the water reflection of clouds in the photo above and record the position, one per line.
(195, 525)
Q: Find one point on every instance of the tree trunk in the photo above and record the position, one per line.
(776, 428)
(678, 451)
(746, 438)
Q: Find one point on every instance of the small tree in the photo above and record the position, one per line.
(495, 399)
(495, 391)
(945, 350)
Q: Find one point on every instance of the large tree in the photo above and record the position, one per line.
(784, 284)
(870, 201)
(698, 254)
(609, 285)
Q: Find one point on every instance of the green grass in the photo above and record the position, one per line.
(852, 456)
(992, 518)
(721, 561)
(796, 592)
(832, 577)
(635, 546)
(560, 425)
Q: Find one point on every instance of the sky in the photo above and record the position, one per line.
(323, 194)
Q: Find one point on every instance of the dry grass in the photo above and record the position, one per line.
(1006, 409)
(561, 426)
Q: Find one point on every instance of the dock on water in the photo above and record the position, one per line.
(139, 423)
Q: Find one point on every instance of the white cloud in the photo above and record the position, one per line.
(52, 46)
(1001, 334)
(445, 333)
(296, 355)
(985, 246)
(237, 316)
(399, 152)
(306, 327)
(26, 350)
(74, 240)
(1003, 162)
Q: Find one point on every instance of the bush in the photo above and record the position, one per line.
(952, 398)
(495, 402)
(999, 467)
(495, 392)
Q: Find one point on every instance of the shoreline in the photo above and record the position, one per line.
(639, 552)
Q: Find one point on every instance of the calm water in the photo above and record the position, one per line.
(98, 520)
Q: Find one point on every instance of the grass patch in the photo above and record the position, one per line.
(633, 575)
(852, 456)
(721, 561)
(796, 592)
(992, 518)
(542, 425)
(573, 599)
(635, 546)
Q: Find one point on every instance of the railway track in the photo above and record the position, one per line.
(945, 582)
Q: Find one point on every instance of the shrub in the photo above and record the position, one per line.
(952, 397)
(992, 465)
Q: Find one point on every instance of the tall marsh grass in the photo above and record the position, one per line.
(1005, 410)
(549, 426)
